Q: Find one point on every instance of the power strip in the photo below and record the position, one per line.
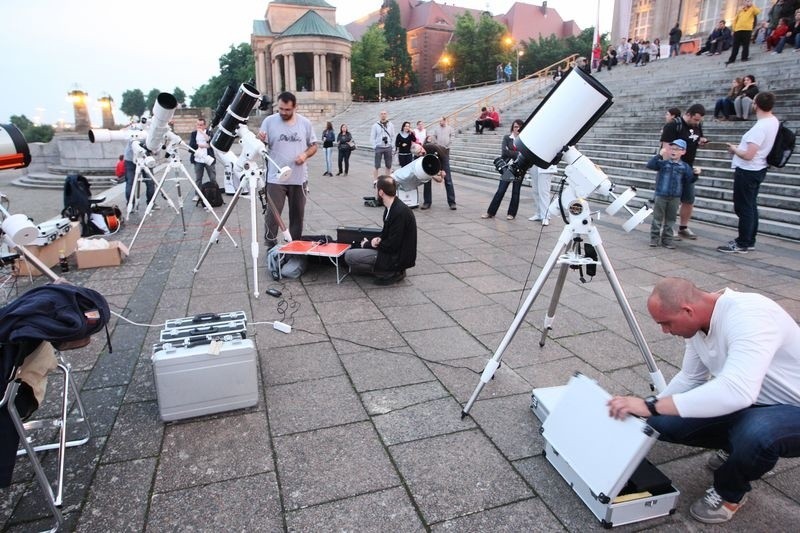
(280, 326)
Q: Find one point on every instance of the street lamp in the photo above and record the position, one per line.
(379, 75)
(519, 53)
(446, 60)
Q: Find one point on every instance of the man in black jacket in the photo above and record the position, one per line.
(389, 255)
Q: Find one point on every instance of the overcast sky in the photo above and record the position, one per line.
(49, 47)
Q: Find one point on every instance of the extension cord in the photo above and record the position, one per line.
(280, 326)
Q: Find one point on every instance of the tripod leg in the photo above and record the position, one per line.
(180, 204)
(221, 224)
(137, 177)
(159, 185)
(656, 376)
(252, 183)
(549, 318)
(494, 362)
(215, 234)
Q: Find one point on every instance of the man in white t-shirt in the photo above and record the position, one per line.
(738, 389)
(749, 165)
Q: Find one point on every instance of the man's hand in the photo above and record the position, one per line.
(300, 159)
(262, 136)
(620, 407)
(702, 141)
(376, 241)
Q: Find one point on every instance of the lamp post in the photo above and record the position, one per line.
(519, 53)
(78, 99)
(379, 75)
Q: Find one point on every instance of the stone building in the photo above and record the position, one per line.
(430, 26)
(648, 19)
(298, 47)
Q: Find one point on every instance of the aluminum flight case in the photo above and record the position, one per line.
(208, 377)
(603, 459)
(544, 400)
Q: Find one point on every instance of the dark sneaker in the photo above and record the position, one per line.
(653, 244)
(425, 206)
(391, 278)
(732, 248)
(717, 459)
(453, 207)
(687, 234)
(712, 509)
(668, 245)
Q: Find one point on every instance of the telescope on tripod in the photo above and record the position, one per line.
(146, 144)
(547, 137)
(244, 168)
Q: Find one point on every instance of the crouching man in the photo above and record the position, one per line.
(388, 256)
(738, 390)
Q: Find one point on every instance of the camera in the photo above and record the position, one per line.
(385, 139)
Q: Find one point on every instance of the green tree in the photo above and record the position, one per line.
(133, 103)
(236, 66)
(476, 48)
(151, 99)
(368, 58)
(551, 49)
(179, 95)
(32, 133)
(401, 78)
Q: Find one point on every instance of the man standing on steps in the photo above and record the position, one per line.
(689, 128)
(381, 137)
(743, 24)
(749, 170)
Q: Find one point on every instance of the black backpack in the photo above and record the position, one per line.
(212, 192)
(782, 148)
(77, 206)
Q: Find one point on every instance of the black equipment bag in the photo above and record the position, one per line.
(353, 235)
(782, 148)
(212, 192)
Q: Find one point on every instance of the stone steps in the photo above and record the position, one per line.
(42, 180)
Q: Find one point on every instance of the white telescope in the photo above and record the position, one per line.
(104, 136)
(163, 110)
(418, 172)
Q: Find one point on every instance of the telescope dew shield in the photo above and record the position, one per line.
(568, 111)
(14, 152)
(224, 101)
(237, 114)
(163, 110)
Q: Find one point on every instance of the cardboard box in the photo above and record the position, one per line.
(111, 256)
(48, 254)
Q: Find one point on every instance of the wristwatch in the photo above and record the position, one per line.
(650, 402)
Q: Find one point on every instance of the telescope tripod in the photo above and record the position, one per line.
(180, 173)
(250, 183)
(567, 254)
(143, 173)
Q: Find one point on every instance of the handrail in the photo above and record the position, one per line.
(510, 92)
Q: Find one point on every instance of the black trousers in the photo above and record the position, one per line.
(740, 38)
(344, 155)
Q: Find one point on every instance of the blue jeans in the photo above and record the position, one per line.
(502, 187)
(754, 437)
(130, 175)
(724, 108)
(328, 159)
(745, 203)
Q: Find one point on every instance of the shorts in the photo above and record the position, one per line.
(384, 152)
(687, 194)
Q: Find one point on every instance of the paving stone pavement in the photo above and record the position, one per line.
(357, 425)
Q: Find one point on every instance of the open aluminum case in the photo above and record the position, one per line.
(603, 459)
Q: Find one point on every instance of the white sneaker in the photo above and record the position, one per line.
(534, 218)
(546, 222)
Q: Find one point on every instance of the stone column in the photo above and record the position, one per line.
(344, 79)
(316, 86)
(262, 83)
(291, 74)
(276, 75)
(323, 67)
(348, 76)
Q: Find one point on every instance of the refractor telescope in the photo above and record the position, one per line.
(158, 129)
